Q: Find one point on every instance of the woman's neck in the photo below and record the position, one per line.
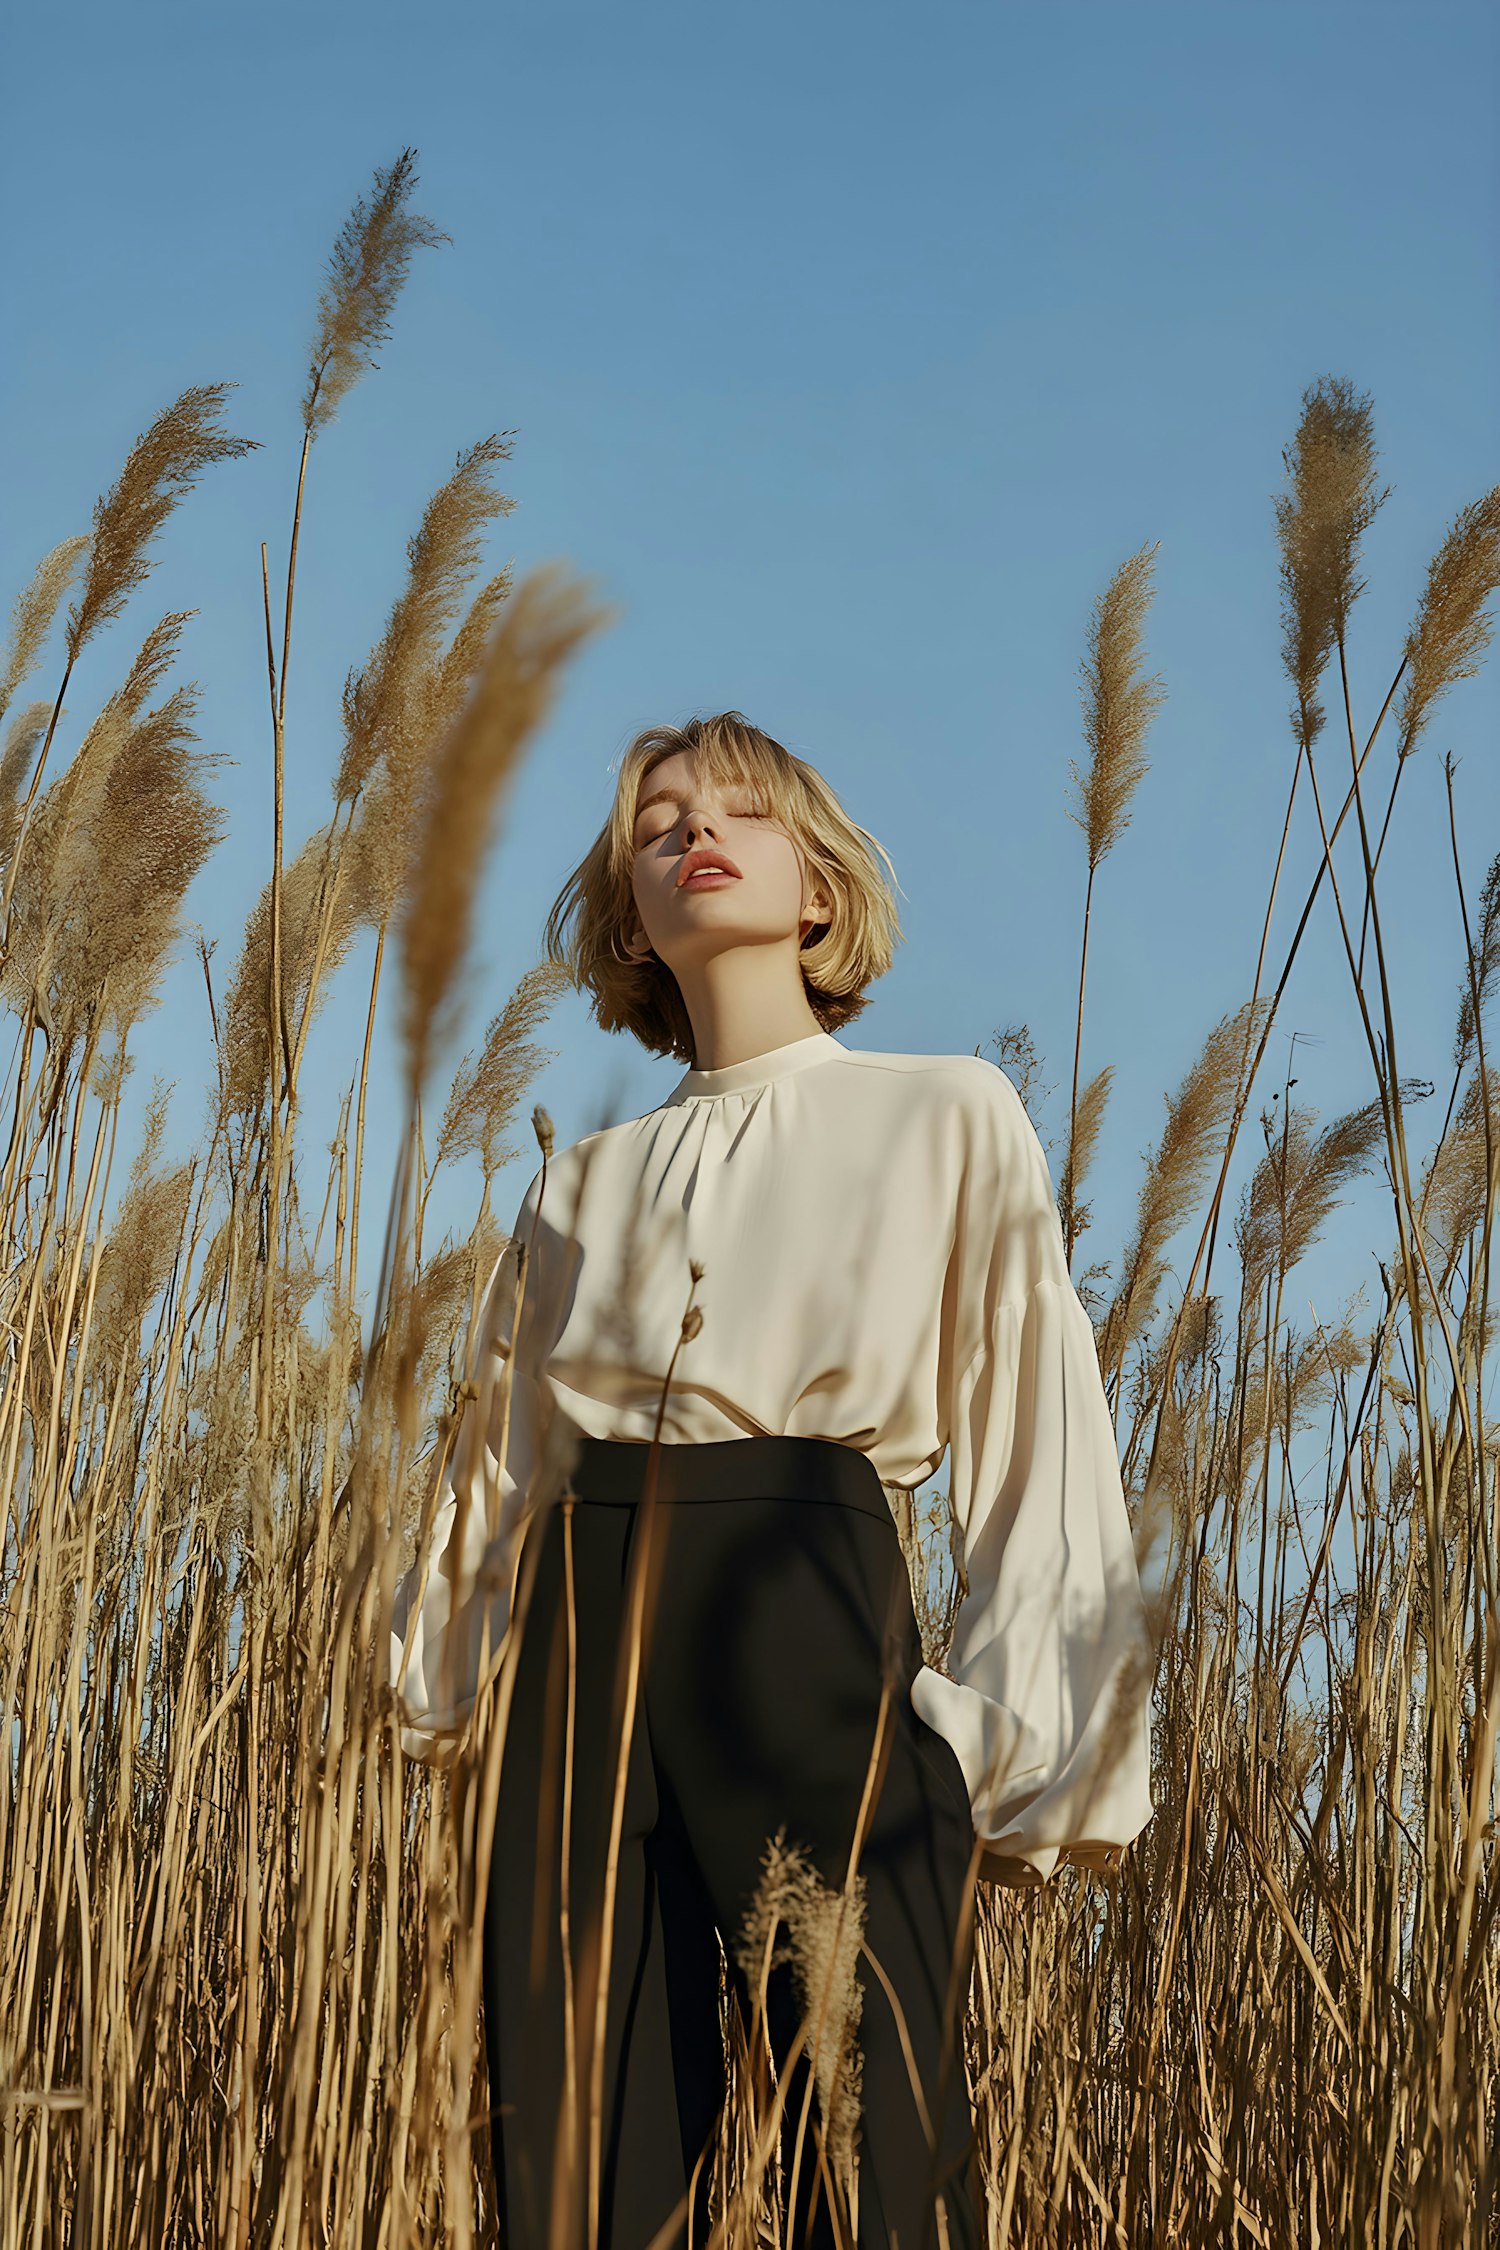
(738, 1011)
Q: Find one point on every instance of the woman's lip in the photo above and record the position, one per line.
(705, 879)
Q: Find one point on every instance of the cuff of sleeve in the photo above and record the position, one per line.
(428, 1748)
(1013, 1793)
(430, 1737)
(1017, 1873)
(1012, 1874)
(1002, 1756)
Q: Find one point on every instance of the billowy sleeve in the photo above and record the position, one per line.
(453, 1606)
(1045, 1695)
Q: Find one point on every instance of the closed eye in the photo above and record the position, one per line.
(743, 812)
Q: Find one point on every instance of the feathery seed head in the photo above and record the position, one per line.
(1118, 704)
(1295, 1186)
(116, 841)
(35, 608)
(163, 464)
(1451, 631)
(542, 624)
(1474, 996)
(366, 269)
(824, 1932)
(388, 707)
(22, 736)
(484, 1094)
(1196, 1120)
(310, 892)
(1320, 523)
(144, 1242)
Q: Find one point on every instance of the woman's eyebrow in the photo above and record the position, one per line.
(674, 796)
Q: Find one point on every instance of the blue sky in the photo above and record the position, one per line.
(849, 350)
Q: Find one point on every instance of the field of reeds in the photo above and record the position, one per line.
(238, 1931)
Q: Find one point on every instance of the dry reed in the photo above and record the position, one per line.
(239, 1933)
(1119, 703)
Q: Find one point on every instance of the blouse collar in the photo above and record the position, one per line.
(756, 1070)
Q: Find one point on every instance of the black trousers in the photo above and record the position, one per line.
(774, 1602)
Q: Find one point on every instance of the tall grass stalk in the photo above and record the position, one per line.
(240, 1929)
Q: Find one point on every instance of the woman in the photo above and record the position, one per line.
(746, 1326)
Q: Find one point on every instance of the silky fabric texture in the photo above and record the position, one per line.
(879, 1264)
(777, 1603)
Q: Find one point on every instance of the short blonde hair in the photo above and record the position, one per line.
(839, 958)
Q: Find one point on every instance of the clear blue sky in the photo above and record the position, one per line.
(849, 350)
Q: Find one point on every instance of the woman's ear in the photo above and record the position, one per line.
(637, 946)
(818, 910)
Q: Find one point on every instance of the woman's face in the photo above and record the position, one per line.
(763, 902)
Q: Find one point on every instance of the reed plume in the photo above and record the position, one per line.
(1457, 1179)
(1196, 1119)
(1083, 1141)
(157, 829)
(1479, 983)
(79, 786)
(406, 700)
(441, 558)
(483, 1097)
(1297, 1185)
(25, 731)
(121, 836)
(1451, 631)
(424, 1333)
(460, 665)
(544, 621)
(823, 1929)
(1320, 523)
(441, 1300)
(307, 919)
(35, 610)
(367, 268)
(60, 822)
(143, 1244)
(393, 783)
(1119, 702)
(160, 469)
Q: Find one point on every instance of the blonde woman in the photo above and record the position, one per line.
(747, 1325)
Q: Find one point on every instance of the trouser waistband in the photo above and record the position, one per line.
(749, 1468)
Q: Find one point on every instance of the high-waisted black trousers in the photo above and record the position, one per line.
(775, 1600)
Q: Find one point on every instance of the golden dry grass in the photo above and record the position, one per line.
(239, 1933)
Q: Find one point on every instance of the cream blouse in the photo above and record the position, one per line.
(881, 1264)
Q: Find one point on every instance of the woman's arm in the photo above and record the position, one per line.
(1045, 1693)
(451, 1615)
